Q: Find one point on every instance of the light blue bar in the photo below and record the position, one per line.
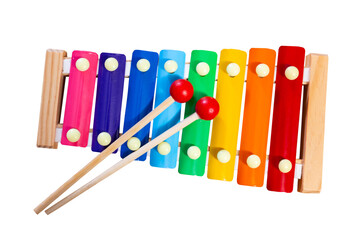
(171, 116)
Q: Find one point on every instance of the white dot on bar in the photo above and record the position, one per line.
(170, 66)
(133, 143)
(194, 152)
(233, 69)
(253, 161)
(291, 73)
(82, 64)
(202, 69)
(104, 138)
(73, 135)
(285, 165)
(164, 148)
(143, 65)
(223, 156)
(111, 64)
(262, 70)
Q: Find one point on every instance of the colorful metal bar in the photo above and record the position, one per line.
(142, 79)
(79, 99)
(286, 112)
(108, 100)
(256, 116)
(223, 147)
(194, 143)
(171, 68)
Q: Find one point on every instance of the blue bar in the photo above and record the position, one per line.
(172, 114)
(140, 97)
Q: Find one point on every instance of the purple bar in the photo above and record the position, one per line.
(108, 100)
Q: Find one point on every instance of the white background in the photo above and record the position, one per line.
(141, 202)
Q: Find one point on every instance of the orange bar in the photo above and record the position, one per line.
(256, 117)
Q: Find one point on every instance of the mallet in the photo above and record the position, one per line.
(207, 108)
(181, 91)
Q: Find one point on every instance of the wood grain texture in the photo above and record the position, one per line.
(52, 95)
(313, 124)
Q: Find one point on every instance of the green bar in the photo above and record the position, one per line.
(197, 133)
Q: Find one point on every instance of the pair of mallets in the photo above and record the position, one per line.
(181, 91)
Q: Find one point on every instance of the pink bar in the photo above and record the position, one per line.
(79, 98)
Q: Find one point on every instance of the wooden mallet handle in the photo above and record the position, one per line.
(181, 91)
(207, 108)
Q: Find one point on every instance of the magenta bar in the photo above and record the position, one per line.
(79, 98)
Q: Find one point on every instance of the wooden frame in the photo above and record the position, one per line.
(52, 97)
(313, 114)
(313, 124)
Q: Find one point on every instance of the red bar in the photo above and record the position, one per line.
(286, 113)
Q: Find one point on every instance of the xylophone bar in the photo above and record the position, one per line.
(140, 95)
(256, 117)
(108, 100)
(194, 143)
(78, 108)
(225, 127)
(286, 114)
(171, 68)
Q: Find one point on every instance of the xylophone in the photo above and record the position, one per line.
(297, 91)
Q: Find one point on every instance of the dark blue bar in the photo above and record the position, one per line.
(108, 100)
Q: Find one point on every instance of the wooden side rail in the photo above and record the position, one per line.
(313, 124)
(51, 99)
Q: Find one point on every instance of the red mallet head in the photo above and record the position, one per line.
(181, 90)
(207, 108)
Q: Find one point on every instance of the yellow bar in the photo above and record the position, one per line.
(226, 124)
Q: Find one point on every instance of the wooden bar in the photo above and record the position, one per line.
(51, 100)
(313, 124)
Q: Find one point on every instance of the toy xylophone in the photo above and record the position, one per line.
(297, 91)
